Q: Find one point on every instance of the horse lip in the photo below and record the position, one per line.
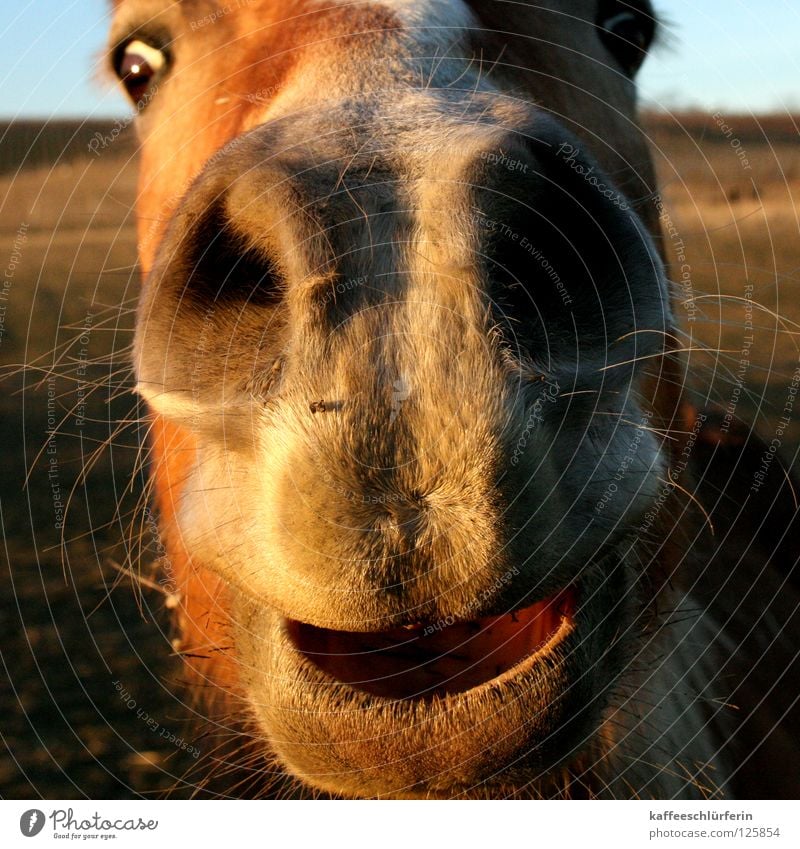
(434, 746)
(418, 662)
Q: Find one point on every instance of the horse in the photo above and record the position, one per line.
(440, 519)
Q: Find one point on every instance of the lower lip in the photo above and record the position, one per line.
(437, 659)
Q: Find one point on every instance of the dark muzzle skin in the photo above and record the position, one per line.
(411, 382)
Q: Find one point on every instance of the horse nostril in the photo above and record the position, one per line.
(562, 249)
(221, 265)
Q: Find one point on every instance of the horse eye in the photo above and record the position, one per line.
(137, 66)
(627, 31)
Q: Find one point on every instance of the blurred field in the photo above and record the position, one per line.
(69, 640)
(68, 637)
(731, 190)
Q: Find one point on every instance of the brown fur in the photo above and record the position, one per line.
(316, 142)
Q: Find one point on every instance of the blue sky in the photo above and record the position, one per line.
(739, 55)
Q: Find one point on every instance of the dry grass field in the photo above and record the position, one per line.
(74, 630)
(731, 200)
(70, 640)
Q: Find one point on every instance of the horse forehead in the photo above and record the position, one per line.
(412, 13)
(427, 15)
(430, 21)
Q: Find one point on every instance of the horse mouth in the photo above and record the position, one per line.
(423, 661)
(466, 708)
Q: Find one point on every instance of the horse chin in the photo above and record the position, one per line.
(500, 704)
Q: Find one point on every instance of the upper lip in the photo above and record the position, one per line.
(441, 658)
